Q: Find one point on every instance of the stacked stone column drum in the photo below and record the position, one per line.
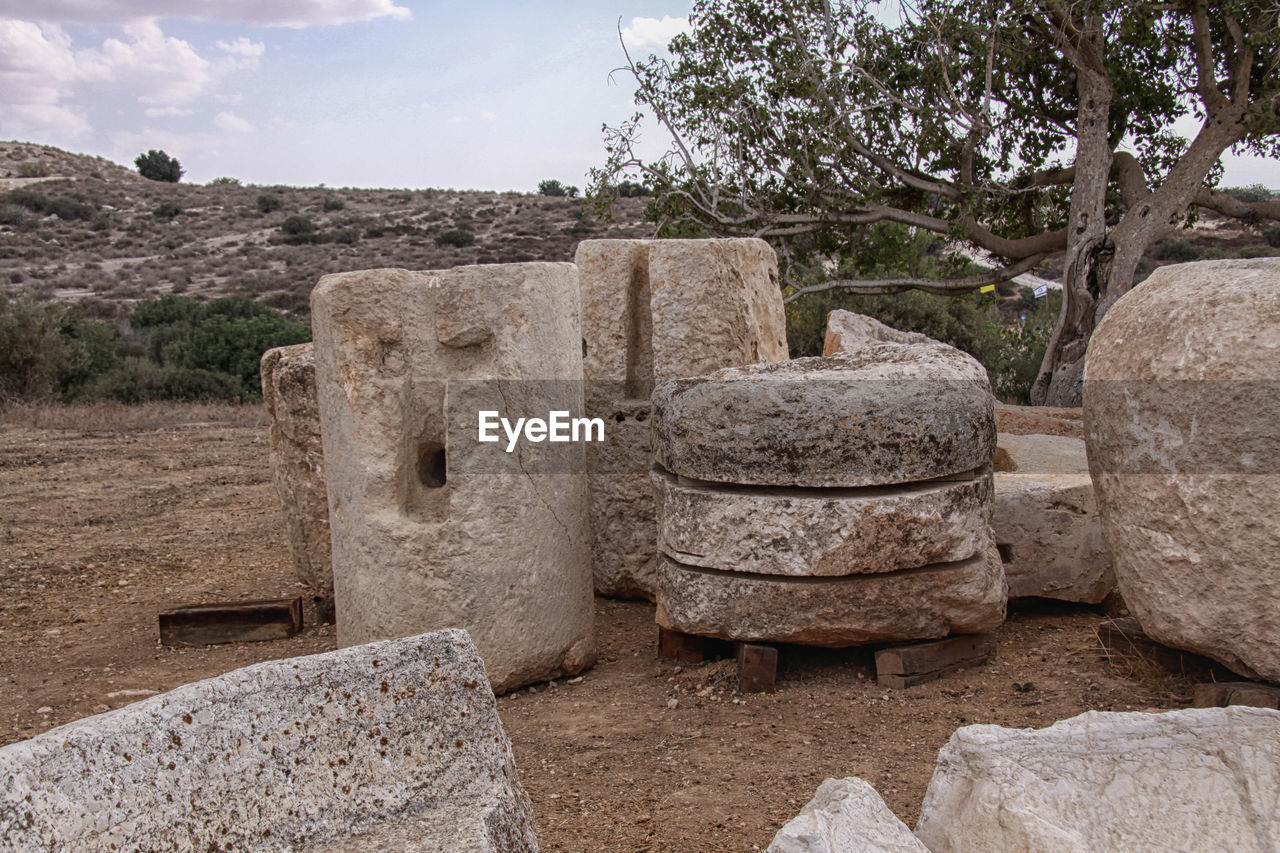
(430, 527)
(830, 501)
(654, 310)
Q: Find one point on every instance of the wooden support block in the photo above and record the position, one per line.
(231, 622)
(1220, 694)
(907, 666)
(686, 648)
(326, 614)
(757, 668)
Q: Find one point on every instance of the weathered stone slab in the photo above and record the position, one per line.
(822, 532)
(846, 815)
(849, 332)
(967, 597)
(890, 413)
(290, 754)
(297, 460)
(655, 310)
(431, 527)
(1250, 693)
(1181, 414)
(1039, 420)
(1203, 779)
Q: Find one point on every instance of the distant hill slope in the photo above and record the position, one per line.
(96, 232)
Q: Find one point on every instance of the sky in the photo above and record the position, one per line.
(485, 94)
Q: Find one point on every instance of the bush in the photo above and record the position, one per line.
(1249, 194)
(33, 169)
(166, 210)
(455, 237)
(1178, 251)
(268, 202)
(225, 182)
(1272, 237)
(552, 187)
(631, 189)
(297, 225)
(63, 208)
(12, 214)
(158, 166)
(31, 350)
(333, 203)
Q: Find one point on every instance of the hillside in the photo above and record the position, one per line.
(97, 233)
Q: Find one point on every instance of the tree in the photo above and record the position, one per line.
(552, 187)
(158, 166)
(1015, 128)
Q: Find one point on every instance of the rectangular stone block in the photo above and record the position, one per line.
(231, 622)
(336, 751)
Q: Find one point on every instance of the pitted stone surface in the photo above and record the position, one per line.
(889, 413)
(1201, 779)
(1181, 414)
(655, 310)
(849, 332)
(1046, 521)
(846, 815)
(432, 528)
(967, 597)
(822, 532)
(297, 460)
(285, 755)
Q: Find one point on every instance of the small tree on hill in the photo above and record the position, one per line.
(552, 187)
(158, 166)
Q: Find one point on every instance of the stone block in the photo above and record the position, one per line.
(966, 597)
(1181, 408)
(845, 815)
(822, 532)
(849, 332)
(433, 528)
(1202, 779)
(655, 310)
(297, 460)
(319, 753)
(890, 413)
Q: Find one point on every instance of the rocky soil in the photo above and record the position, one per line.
(108, 514)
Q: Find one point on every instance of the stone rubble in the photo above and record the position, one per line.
(845, 816)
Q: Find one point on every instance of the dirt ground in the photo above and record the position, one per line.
(110, 517)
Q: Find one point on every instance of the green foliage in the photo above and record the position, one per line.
(170, 348)
(1178, 251)
(33, 169)
(267, 202)
(1249, 194)
(1272, 237)
(12, 214)
(455, 237)
(297, 225)
(158, 166)
(552, 187)
(225, 182)
(333, 203)
(632, 189)
(59, 206)
(166, 210)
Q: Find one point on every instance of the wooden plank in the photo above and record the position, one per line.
(757, 668)
(686, 648)
(1220, 694)
(231, 622)
(906, 666)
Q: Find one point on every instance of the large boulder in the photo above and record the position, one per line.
(297, 460)
(1046, 523)
(966, 597)
(845, 815)
(1202, 779)
(331, 751)
(654, 310)
(433, 527)
(1180, 420)
(823, 532)
(888, 413)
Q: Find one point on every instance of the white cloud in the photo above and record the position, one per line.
(232, 123)
(264, 13)
(161, 112)
(242, 47)
(653, 32)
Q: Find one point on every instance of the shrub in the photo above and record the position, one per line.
(1272, 237)
(166, 210)
(297, 225)
(12, 214)
(69, 209)
(268, 202)
(33, 169)
(552, 187)
(455, 237)
(31, 348)
(333, 203)
(158, 166)
(631, 189)
(1249, 194)
(346, 235)
(1178, 251)
(225, 182)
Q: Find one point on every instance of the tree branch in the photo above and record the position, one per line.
(1220, 202)
(941, 286)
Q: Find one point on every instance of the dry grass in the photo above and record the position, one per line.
(107, 417)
